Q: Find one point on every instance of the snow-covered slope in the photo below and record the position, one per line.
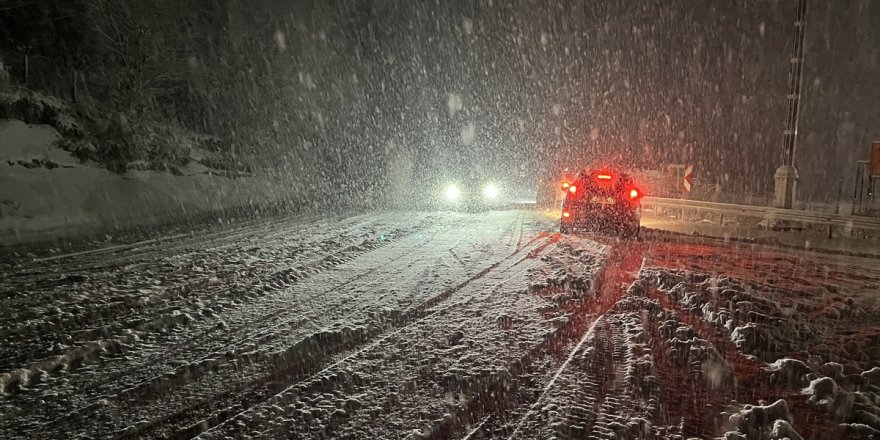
(46, 193)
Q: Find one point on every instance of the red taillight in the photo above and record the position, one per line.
(634, 194)
(565, 185)
(572, 189)
(604, 177)
(566, 214)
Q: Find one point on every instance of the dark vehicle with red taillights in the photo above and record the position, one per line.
(602, 200)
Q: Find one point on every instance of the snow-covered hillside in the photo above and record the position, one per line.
(46, 193)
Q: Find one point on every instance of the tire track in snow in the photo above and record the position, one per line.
(208, 362)
(502, 399)
(268, 333)
(93, 313)
(593, 383)
(102, 379)
(419, 314)
(317, 348)
(132, 264)
(622, 409)
(179, 312)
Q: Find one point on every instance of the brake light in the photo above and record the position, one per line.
(604, 177)
(634, 194)
(572, 189)
(566, 214)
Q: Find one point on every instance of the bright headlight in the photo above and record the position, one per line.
(490, 191)
(452, 193)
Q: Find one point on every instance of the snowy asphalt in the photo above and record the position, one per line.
(435, 326)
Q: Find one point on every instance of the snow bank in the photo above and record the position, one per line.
(45, 193)
(757, 422)
(569, 271)
(760, 319)
(22, 144)
(856, 407)
(790, 372)
(831, 320)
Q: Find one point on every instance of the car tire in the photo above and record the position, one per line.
(637, 233)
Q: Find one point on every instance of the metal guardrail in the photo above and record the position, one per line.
(765, 212)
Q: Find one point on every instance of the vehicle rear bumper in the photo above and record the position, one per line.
(599, 218)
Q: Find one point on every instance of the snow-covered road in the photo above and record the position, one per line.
(437, 325)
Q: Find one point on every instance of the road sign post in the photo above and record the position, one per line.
(874, 166)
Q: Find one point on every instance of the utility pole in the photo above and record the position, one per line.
(26, 50)
(786, 175)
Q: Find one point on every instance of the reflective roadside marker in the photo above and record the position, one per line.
(688, 178)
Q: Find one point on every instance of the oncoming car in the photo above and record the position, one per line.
(603, 200)
(471, 196)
